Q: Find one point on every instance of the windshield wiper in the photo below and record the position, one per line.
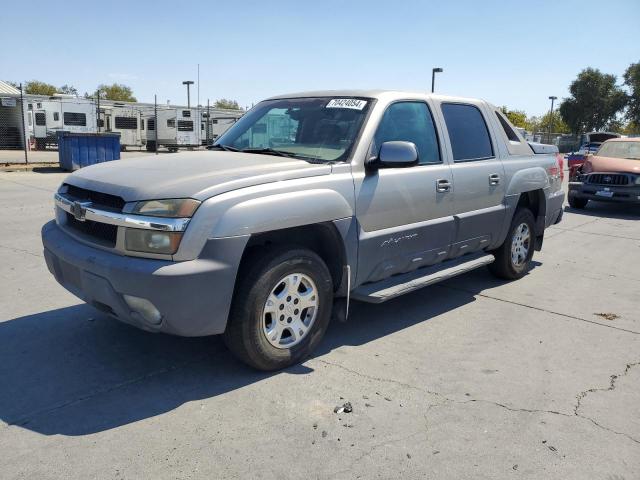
(268, 151)
(226, 148)
(280, 153)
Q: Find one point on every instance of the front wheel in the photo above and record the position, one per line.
(513, 257)
(281, 308)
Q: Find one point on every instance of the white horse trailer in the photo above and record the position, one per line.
(124, 120)
(177, 128)
(60, 113)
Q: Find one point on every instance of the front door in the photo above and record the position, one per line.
(478, 175)
(404, 214)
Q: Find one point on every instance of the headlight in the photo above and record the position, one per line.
(172, 208)
(152, 241)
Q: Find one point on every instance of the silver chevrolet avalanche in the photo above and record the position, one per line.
(309, 201)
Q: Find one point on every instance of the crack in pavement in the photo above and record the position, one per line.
(20, 250)
(449, 400)
(540, 309)
(372, 449)
(27, 185)
(598, 234)
(612, 386)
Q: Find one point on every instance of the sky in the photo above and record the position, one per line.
(509, 53)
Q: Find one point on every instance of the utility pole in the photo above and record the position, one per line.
(552, 98)
(433, 77)
(24, 130)
(188, 83)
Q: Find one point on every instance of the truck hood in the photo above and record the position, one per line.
(611, 164)
(198, 175)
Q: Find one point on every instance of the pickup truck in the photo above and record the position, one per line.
(309, 201)
(611, 175)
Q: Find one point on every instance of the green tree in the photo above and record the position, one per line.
(559, 126)
(632, 81)
(226, 104)
(35, 87)
(68, 90)
(594, 102)
(517, 117)
(117, 92)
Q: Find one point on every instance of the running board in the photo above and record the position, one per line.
(397, 285)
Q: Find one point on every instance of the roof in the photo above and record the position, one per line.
(623, 139)
(8, 89)
(370, 94)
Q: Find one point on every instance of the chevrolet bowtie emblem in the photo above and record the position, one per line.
(79, 210)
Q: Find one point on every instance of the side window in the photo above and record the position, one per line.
(468, 132)
(409, 122)
(75, 119)
(511, 135)
(56, 116)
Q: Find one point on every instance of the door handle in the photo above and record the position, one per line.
(494, 179)
(443, 185)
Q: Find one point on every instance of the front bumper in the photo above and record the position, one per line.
(602, 193)
(193, 297)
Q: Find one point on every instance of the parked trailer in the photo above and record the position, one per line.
(216, 125)
(124, 120)
(176, 129)
(60, 113)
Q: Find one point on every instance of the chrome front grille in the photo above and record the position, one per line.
(97, 199)
(616, 179)
(100, 233)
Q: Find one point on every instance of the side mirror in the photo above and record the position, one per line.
(395, 155)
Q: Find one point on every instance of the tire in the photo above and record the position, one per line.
(258, 290)
(505, 265)
(151, 146)
(577, 202)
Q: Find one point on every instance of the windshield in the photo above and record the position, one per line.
(319, 128)
(630, 150)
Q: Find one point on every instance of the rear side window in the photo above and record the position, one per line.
(75, 119)
(409, 122)
(511, 135)
(468, 132)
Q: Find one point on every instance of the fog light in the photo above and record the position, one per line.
(144, 308)
(152, 241)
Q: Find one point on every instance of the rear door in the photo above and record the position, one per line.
(478, 176)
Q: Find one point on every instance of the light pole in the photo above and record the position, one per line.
(433, 77)
(552, 98)
(187, 83)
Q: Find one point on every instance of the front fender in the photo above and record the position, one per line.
(282, 210)
(246, 212)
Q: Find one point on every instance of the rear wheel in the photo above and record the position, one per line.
(577, 202)
(281, 308)
(513, 258)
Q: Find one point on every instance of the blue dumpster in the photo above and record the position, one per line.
(77, 150)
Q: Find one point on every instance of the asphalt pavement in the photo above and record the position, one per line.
(473, 378)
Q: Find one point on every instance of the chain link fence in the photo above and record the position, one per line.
(29, 124)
